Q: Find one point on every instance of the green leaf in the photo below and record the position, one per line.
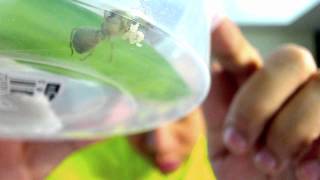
(42, 28)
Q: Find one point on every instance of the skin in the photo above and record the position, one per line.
(262, 120)
(168, 146)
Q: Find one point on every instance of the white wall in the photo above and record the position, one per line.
(268, 38)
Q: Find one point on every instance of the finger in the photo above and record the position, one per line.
(223, 87)
(233, 51)
(12, 164)
(228, 44)
(309, 166)
(10, 152)
(239, 60)
(309, 171)
(297, 126)
(264, 94)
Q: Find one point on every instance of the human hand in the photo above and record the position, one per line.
(262, 119)
(33, 160)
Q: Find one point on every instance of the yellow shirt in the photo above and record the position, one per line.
(116, 159)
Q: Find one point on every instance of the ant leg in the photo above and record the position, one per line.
(88, 55)
(112, 48)
(71, 40)
(111, 51)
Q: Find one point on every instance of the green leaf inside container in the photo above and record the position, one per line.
(43, 28)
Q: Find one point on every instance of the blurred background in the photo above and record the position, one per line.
(269, 24)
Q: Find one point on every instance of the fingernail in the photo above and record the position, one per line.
(265, 161)
(234, 141)
(309, 171)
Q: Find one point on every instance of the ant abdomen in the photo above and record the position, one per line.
(84, 39)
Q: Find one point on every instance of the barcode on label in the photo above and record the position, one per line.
(20, 82)
(3, 84)
(22, 86)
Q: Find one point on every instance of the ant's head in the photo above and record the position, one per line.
(109, 14)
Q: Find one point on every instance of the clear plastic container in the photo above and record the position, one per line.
(91, 68)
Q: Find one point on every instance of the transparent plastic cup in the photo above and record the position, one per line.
(91, 68)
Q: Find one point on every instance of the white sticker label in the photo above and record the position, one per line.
(6, 104)
(19, 84)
